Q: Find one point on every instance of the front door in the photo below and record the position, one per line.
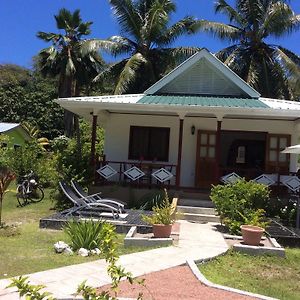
(206, 165)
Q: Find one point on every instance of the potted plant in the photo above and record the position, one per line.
(254, 227)
(162, 218)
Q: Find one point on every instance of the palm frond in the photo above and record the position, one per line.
(63, 19)
(129, 72)
(279, 20)
(110, 46)
(291, 62)
(48, 36)
(178, 29)
(220, 30)
(127, 16)
(112, 71)
(223, 7)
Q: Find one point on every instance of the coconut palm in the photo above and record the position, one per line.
(64, 57)
(266, 67)
(145, 42)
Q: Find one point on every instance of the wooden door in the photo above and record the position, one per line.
(277, 162)
(206, 166)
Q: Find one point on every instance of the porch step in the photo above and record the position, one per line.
(197, 214)
(195, 202)
(199, 218)
(196, 210)
(195, 195)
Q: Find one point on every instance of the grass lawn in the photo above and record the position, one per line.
(32, 250)
(267, 275)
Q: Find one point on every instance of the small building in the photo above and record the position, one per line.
(16, 133)
(198, 123)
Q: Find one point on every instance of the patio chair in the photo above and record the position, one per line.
(95, 197)
(82, 204)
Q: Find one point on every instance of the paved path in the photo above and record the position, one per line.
(196, 241)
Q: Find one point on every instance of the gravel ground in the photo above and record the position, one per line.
(174, 283)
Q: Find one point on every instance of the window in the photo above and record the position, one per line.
(149, 143)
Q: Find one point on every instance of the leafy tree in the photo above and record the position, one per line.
(146, 40)
(24, 95)
(63, 59)
(266, 67)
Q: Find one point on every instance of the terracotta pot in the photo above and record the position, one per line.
(162, 231)
(252, 234)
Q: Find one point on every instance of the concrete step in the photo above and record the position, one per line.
(196, 210)
(195, 195)
(200, 218)
(195, 202)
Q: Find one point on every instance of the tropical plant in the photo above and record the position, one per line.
(86, 234)
(64, 58)
(266, 67)
(34, 132)
(163, 213)
(145, 42)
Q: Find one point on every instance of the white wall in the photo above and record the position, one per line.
(118, 128)
(117, 132)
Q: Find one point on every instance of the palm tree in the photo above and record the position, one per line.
(266, 67)
(145, 42)
(64, 58)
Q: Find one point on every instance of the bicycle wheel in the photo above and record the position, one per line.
(37, 194)
(21, 197)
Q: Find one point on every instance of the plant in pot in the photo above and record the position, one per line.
(253, 227)
(162, 218)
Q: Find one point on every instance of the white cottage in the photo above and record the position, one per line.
(198, 123)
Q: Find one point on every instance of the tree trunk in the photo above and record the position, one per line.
(77, 127)
(66, 90)
(1, 198)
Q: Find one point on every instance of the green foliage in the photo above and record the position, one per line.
(69, 164)
(87, 234)
(240, 203)
(25, 96)
(31, 292)
(149, 200)
(163, 213)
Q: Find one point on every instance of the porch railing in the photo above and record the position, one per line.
(138, 174)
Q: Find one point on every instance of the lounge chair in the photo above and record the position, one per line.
(85, 204)
(96, 197)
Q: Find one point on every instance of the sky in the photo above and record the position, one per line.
(20, 20)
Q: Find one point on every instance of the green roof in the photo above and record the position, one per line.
(203, 101)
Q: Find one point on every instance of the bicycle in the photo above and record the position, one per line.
(29, 190)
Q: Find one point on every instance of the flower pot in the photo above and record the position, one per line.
(161, 230)
(252, 234)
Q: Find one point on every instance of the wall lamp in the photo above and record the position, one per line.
(193, 129)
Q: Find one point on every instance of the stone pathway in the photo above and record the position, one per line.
(196, 242)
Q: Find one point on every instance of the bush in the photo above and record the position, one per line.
(240, 203)
(87, 234)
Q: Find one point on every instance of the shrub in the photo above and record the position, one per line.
(87, 234)
(240, 203)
